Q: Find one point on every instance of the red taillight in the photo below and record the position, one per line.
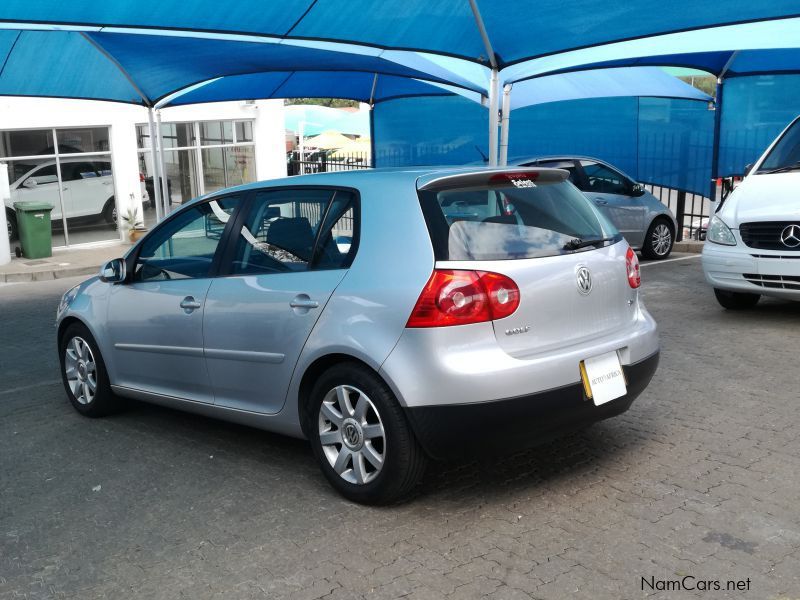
(462, 297)
(141, 177)
(632, 264)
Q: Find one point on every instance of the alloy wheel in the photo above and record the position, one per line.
(81, 370)
(661, 239)
(352, 435)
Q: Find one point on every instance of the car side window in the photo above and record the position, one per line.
(604, 180)
(184, 247)
(567, 165)
(48, 174)
(285, 232)
(77, 171)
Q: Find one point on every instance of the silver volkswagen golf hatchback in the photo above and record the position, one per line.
(388, 316)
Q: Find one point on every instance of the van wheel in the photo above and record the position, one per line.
(736, 300)
(110, 212)
(11, 220)
(361, 437)
(84, 373)
(659, 240)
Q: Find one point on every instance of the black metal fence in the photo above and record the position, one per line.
(324, 161)
(691, 210)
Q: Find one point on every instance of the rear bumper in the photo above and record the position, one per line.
(449, 431)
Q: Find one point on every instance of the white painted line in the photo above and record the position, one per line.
(669, 260)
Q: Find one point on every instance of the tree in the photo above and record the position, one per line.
(331, 102)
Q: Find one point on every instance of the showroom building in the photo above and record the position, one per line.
(93, 161)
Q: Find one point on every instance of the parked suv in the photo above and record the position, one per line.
(643, 219)
(388, 316)
(753, 241)
(87, 190)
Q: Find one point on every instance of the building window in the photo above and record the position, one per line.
(68, 168)
(200, 157)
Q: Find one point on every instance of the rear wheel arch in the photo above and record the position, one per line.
(314, 371)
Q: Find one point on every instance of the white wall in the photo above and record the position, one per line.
(36, 113)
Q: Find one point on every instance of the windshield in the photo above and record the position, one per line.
(506, 222)
(786, 153)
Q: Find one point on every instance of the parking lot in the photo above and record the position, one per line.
(697, 482)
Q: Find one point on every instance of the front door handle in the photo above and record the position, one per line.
(189, 304)
(303, 301)
(600, 202)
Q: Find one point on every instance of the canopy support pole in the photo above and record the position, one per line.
(154, 159)
(505, 117)
(717, 130)
(494, 114)
(494, 109)
(162, 167)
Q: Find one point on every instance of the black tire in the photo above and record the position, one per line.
(110, 212)
(736, 300)
(403, 458)
(13, 231)
(652, 247)
(103, 401)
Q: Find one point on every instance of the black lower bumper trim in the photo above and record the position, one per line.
(454, 430)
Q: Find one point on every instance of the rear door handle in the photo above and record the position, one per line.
(303, 301)
(600, 202)
(189, 304)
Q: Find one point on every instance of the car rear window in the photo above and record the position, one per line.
(503, 221)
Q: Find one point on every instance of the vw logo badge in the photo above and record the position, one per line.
(790, 236)
(584, 278)
(351, 434)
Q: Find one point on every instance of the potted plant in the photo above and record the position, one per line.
(134, 224)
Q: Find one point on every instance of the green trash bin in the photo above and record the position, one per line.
(35, 234)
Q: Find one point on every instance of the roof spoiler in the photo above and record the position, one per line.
(521, 177)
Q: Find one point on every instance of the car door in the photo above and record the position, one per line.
(85, 191)
(155, 319)
(285, 260)
(612, 192)
(41, 185)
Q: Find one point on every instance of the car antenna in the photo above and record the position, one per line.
(485, 158)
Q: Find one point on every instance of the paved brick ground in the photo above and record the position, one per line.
(700, 478)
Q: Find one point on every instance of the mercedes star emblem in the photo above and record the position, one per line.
(790, 236)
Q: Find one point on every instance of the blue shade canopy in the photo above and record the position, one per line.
(146, 68)
(59, 64)
(710, 49)
(518, 29)
(309, 84)
(604, 83)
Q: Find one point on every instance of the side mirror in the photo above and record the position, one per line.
(30, 183)
(748, 168)
(114, 271)
(637, 190)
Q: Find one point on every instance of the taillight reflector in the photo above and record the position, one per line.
(460, 297)
(632, 264)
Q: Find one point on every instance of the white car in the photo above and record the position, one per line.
(87, 188)
(753, 241)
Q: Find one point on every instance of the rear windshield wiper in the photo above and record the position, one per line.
(792, 167)
(577, 243)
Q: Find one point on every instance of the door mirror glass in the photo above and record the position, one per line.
(29, 183)
(637, 189)
(113, 271)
